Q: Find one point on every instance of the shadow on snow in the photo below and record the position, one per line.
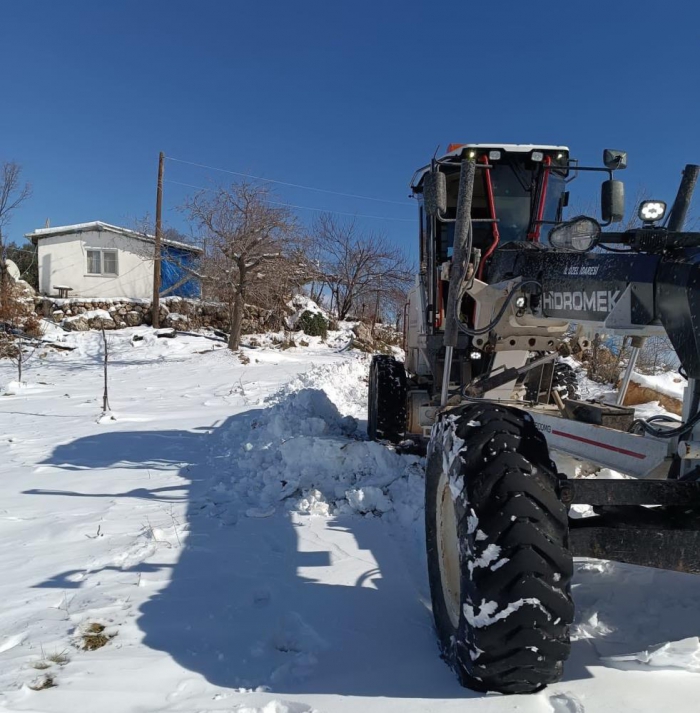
(259, 602)
(243, 606)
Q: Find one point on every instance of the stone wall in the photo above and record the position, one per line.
(80, 314)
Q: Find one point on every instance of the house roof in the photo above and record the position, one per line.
(99, 226)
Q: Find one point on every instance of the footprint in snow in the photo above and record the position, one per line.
(563, 703)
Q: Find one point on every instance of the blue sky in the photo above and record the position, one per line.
(345, 96)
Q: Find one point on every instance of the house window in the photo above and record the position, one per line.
(109, 262)
(102, 262)
(94, 262)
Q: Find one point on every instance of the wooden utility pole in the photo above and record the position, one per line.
(155, 313)
(376, 306)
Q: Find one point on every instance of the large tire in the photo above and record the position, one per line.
(386, 408)
(564, 381)
(498, 558)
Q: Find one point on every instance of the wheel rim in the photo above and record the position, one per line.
(448, 550)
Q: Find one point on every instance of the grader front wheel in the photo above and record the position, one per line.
(498, 561)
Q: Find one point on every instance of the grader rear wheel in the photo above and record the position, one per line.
(386, 408)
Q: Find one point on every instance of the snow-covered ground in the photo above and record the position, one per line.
(247, 550)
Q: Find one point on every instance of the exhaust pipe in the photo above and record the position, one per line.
(460, 261)
(679, 210)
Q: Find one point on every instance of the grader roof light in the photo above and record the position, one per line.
(651, 211)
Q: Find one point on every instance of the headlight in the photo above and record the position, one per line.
(580, 234)
(651, 211)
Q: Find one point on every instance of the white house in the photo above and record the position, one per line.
(101, 260)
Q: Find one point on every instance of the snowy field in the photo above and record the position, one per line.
(246, 550)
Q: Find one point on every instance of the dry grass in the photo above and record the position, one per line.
(59, 658)
(94, 637)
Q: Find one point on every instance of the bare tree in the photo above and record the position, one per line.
(273, 284)
(13, 192)
(393, 307)
(657, 355)
(358, 267)
(19, 347)
(244, 236)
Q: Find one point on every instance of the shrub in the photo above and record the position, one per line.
(313, 324)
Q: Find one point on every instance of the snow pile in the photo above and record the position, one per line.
(300, 304)
(14, 388)
(303, 451)
(683, 654)
(90, 314)
(20, 388)
(668, 383)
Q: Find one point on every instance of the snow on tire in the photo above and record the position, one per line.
(564, 381)
(386, 409)
(498, 560)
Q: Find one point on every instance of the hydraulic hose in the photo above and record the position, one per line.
(484, 330)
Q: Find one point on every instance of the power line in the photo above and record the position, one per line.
(305, 207)
(292, 185)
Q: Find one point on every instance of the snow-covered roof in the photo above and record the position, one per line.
(508, 148)
(516, 148)
(99, 226)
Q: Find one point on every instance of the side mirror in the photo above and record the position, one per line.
(615, 160)
(612, 201)
(435, 193)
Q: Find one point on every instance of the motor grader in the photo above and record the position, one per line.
(506, 286)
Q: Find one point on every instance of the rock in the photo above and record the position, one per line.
(175, 313)
(80, 324)
(100, 322)
(362, 332)
(176, 321)
(167, 333)
(362, 339)
(133, 318)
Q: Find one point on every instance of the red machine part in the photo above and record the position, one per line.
(534, 234)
